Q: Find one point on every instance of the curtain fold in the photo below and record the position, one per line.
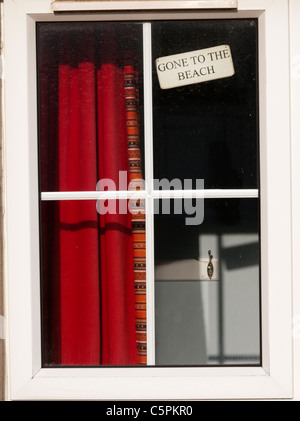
(94, 316)
(79, 261)
(117, 281)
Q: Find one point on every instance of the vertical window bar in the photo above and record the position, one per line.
(147, 57)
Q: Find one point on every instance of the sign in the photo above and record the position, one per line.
(194, 67)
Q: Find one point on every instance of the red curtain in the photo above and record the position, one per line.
(89, 260)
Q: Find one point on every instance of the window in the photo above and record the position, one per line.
(94, 129)
(219, 131)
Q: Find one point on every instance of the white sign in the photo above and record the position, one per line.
(194, 67)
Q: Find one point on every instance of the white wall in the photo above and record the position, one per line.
(295, 108)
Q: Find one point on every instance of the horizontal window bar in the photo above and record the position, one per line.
(93, 195)
(156, 194)
(75, 6)
(206, 193)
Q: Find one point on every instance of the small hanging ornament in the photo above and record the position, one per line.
(210, 266)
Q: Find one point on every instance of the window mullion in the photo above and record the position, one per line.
(148, 140)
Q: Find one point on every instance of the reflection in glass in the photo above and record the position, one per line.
(201, 321)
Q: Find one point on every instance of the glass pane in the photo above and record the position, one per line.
(93, 283)
(207, 130)
(93, 254)
(201, 320)
(90, 112)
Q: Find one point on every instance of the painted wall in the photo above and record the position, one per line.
(2, 343)
(295, 108)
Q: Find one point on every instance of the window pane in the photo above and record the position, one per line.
(93, 283)
(208, 130)
(93, 254)
(90, 113)
(203, 321)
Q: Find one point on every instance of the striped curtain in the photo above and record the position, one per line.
(137, 208)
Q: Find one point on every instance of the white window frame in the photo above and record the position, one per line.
(27, 379)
